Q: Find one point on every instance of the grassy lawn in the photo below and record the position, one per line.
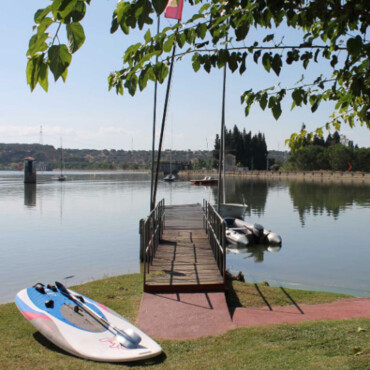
(310, 345)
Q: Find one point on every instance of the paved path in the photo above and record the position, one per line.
(193, 315)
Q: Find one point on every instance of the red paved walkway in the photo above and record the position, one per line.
(193, 315)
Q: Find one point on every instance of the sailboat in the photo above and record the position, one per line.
(226, 209)
(170, 177)
(61, 177)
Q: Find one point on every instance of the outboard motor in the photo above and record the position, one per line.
(230, 221)
(258, 232)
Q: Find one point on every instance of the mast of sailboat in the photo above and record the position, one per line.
(221, 160)
(162, 128)
(61, 157)
(173, 10)
(154, 124)
(171, 147)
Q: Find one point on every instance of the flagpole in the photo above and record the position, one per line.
(152, 203)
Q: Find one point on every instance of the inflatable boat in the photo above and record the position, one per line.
(255, 233)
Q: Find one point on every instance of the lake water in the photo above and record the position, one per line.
(87, 228)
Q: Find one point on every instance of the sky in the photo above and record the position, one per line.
(82, 113)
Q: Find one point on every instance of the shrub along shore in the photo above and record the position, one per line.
(335, 176)
(327, 344)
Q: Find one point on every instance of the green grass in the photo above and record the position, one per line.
(309, 345)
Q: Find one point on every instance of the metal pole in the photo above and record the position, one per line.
(154, 124)
(221, 160)
(163, 124)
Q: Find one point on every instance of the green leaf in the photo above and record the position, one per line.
(241, 31)
(74, 11)
(276, 111)
(44, 25)
(37, 44)
(204, 8)
(256, 56)
(160, 70)
(190, 35)
(76, 36)
(268, 38)
(114, 26)
(201, 30)
(233, 62)
(119, 87)
(263, 101)
(159, 5)
(59, 60)
(243, 66)
(32, 72)
(354, 46)
(247, 110)
(111, 79)
(266, 61)
(276, 64)
(143, 79)
(147, 36)
(143, 14)
(64, 75)
(131, 84)
(316, 104)
(41, 14)
(196, 62)
(167, 46)
(43, 75)
(297, 96)
(181, 39)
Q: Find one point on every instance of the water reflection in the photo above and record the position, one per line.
(256, 251)
(254, 192)
(329, 198)
(88, 227)
(30, 195)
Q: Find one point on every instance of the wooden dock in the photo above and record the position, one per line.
(184, 260)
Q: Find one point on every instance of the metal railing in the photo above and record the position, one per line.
(151, 230)
(215, 227)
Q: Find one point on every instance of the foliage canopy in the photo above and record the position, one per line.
(332, 30)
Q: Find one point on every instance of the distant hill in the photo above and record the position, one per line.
(49, 157)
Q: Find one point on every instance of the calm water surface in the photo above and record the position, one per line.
(87, 228)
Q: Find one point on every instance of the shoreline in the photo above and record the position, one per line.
(317, 176)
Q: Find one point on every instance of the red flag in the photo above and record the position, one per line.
(174, 9)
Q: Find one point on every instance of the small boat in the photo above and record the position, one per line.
(261, 235)
(208, 180)
(255, 233)
(236, 238)
(82, 326)
(169, 178)
(236, 210)
(61, 177)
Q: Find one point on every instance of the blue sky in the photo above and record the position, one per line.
(85, 115)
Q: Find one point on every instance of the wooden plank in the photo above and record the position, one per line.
(184, 260)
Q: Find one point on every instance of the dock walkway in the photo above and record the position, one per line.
(184, 261)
